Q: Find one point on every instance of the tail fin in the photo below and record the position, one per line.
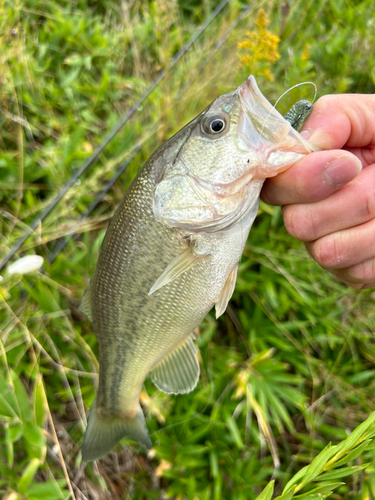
(102, 435)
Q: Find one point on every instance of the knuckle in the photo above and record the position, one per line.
(368, 203)
(291, 220)
(301, 222)
(356, 286)
(367, 194)
(363, 272)
(364, 286)
(327, 252)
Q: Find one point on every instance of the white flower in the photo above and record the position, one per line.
(26, 264)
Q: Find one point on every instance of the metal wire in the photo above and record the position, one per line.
(61, 245)
(217, 47)
(90, 161)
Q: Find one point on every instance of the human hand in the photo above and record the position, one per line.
(328, 197)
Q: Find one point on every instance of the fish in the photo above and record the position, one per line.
(171, 254)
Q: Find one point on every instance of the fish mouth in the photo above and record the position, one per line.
(228, 203)
(213, 208)
(262, 124)
(266, 123)
(224, 190)
(254, 101)
(189, 202)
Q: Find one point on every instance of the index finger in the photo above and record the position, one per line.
(345, 120)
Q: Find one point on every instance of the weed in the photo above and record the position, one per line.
(288, 369)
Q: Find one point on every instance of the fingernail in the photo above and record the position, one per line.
(341, 170)
(306, 133)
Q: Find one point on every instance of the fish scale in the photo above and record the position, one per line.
(158, 309)
(171, 253)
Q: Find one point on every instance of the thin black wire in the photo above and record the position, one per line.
(112, 134)
(61, 245)
(217, 47)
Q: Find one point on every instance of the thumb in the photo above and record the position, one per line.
(313, 178)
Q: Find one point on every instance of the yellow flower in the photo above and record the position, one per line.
(163, 466)
(261, 48)
(262, 22)
(306, 53)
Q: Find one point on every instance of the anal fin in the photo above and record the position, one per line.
(226, 292)
(85, 304)
(179, 265)
(178, 372)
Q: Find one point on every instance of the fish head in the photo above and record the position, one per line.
(214, 167)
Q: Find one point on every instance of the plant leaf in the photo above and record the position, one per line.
(294, 480)
(28, 475)
(286, 496)
(320, 489)
(351, 440)
(40, 409)
(352, 455)
(345, 471)
(234, 432)
(318, 463)
(21, 397)
(267, 492)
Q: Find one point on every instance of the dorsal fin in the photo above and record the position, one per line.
(178, 372)
(85, 304)
(226, 292)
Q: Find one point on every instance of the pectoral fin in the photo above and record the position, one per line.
(85, 304)
(179, 265)
(178, 373)
(226, 292)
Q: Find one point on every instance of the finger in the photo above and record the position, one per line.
(365, 155)
(360, 276)
(313, 178)
(344, 248)
(352, 205)
(342, 120)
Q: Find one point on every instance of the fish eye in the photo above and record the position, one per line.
(217, 126)
(214, 125)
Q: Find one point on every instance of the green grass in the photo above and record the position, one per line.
(287, 370)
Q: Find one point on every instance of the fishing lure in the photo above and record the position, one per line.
(298, 114)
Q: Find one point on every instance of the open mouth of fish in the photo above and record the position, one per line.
(266, 130)
(271, 146)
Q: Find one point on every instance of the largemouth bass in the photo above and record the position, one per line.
(171, 253)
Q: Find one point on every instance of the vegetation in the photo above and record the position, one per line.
(287, 370)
